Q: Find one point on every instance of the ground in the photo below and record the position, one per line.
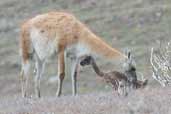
(146, 101)
(135, 24)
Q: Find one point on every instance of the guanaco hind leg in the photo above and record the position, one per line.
(61, 72)
(74, 73)
(24, 75)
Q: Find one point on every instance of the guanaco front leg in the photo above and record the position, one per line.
(61, 72)
(74, 73)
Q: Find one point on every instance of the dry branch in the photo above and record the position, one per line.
(161, 64)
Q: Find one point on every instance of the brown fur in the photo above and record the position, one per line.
(25, 43)
(70, 31)
(113, 77)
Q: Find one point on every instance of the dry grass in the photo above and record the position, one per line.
(146, 101)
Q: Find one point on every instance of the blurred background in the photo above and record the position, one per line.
(134, 24)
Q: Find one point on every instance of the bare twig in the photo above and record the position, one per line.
(161, 65)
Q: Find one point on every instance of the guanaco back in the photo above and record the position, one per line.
(58, 32)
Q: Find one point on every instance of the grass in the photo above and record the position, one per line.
(146, 101)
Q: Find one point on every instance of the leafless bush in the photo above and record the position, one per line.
(161, 64)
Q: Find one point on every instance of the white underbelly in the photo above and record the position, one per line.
(77, 50)
(43, 46)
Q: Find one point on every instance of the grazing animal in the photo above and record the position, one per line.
(118, 80)
(130, 73)
(57, 33)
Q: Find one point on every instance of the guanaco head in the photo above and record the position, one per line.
(130, 69)
(87, 60)
(130, 72)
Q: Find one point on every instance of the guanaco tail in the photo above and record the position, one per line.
(58, 33)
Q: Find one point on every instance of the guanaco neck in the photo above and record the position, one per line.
(98, 46)
(96, 68)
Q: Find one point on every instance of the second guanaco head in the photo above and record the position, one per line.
(131, 73)
(130, 69)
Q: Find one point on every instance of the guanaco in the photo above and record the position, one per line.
(119, 81)
(60, 33)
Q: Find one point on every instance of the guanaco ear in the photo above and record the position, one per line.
(129, 55)
(129, 61)
(125, 53)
